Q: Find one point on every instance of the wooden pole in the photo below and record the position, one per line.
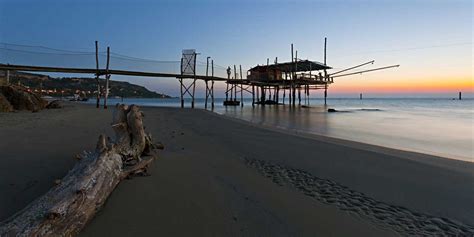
(291, 75)
(253, 95)
(325, 71)
(181, 89)
(307, 88)
(234, 85)
(284, 95)
(325, 44)
(227, 86)
(207, 84)
(460, 98)
(278, 94)
(212, 84)
(258, 95)
(294, 78)
(207, 66)
(107, 78)
(241, 88)
(194, 81)
(299, 95)
(97, 73)
(207, 93)
(325, 93)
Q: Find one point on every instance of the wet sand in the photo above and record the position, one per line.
(219, 176)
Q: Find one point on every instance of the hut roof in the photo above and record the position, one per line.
(300, 66)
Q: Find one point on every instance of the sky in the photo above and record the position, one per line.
(431, 40)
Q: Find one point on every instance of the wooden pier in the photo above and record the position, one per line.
(270, 84)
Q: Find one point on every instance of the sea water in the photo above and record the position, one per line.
(437, 126)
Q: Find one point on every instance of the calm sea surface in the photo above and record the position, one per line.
(440, 127)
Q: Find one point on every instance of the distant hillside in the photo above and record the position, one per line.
(67, 86)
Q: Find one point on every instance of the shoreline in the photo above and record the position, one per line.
(400, 152)
(205, 180)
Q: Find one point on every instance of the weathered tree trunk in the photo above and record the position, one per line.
(71, 204)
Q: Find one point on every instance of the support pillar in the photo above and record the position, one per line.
(299, 95)
(194, 89)
(325, 94)
(107, 78)
(212, 95)
(212, 84)
(207, 94)
(181, 89)
(253, 95)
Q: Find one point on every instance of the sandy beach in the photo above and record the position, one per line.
(219, 176)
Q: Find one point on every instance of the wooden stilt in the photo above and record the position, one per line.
(212, 84)
(299, 95)
(325, 93)
(284, 94)
(241, 88)
(207, 94)
(253, 95)
(194, 89)
(194, 81)
(308, 94)
(181, 89)
(207, 83)
(278, 95)
(107, 78)
(97, 73)
(235, 85)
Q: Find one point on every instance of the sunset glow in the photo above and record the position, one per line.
(410, 85)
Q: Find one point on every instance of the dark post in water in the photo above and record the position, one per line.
(460, 96)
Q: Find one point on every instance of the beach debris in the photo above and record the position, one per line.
(159, 146)
(66, 208)
(55, 104)
(332, 110)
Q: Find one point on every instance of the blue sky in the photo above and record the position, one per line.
(248, 32)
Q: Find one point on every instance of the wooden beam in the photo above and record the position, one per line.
(101, 72)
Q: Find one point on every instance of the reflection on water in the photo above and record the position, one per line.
(434, 126)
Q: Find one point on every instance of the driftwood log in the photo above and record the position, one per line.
(73, 201)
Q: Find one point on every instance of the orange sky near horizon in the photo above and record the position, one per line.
(414, 85)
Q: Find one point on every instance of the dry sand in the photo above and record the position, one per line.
(222, 177)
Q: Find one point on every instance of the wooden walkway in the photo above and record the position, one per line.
(105, 72)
